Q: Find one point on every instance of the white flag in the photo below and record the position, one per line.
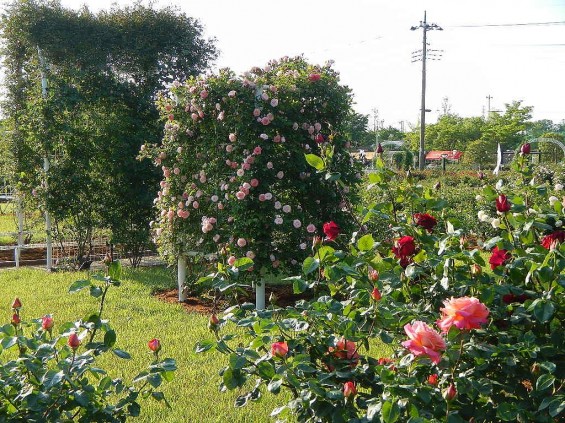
(498, 160)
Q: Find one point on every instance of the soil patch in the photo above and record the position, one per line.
(205, 305)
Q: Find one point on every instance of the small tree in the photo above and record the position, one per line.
(237, 182)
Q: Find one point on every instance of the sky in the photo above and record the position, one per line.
(507, 49)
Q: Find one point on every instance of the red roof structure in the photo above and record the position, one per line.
(449, 155)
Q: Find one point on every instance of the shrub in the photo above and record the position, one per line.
(471, 344)
(54, 377)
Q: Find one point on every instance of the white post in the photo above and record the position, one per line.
(260, 295)
(181, 278)
(48, 241)
(20, 214)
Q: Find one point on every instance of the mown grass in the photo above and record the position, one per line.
(137, 317)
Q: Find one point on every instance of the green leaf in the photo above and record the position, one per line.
(233, 379)
(237, 361)
(8, 342)
(315, 161)
(134, 409)
(390, 412)
(243, 263)
(115, 270)
(204, 346)
(95, 291)
(122, 354)
(79, 285)
(154, 379)
(366, 242)
(299, 286)
(274, 386)
(507, 412)
(265, 370)
(309, 265)
(53, 378)
(544, 381)
(110, 338)
(543, 310)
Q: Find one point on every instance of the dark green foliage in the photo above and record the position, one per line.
(103, 72)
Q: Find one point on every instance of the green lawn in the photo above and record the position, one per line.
(138, 317)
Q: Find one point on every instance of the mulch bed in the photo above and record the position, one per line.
(205, 304)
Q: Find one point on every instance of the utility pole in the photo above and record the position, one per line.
(425, 28)
(376, 126)
(489, 98)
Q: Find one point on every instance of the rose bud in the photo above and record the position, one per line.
(154, 345)
(73, 341)
(502, 204)
(437, 186)
(279, 349)
(317, 241)
(525, 149)
(16, 304)
(16, 319)
(373, 275)
(349, 389)
(433, 379)
(47, 322)
(376, 294)
(213, 323)
(379, 148)
(450, 393)
(476, 269)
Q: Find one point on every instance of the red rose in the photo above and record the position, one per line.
(433, 379)
(279, 349)
(526, 148)
(47, 322)
(73, 341)
(425, 220)
(331, 230)
(16, 303)
(498, 257)
(450, 392)
(154, 345)
(552, 238)
(404, 247)
(502, 204)
(320, 138)
(313, 77)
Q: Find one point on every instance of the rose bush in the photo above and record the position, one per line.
(237, 183)
(469, 345)
(52, 375)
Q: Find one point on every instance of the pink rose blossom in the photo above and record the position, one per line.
(216, 238)
(231, 93)
(279, 349)
(170, 214)
(311, 228)
(295, 126)
(271, 117)
(317, 126)
(274, 102)
(203, 94)
(265, 121)
(240, 172)
(240, 195)
(264, 137)
(280, 174)
(296, 223)
(465, 313)
(265, 96)
(311, 130)
(277, 138)
(268, 196)
(231, 260)
(245, 166)
(176, 170)
(269, 165)
(166, 173)
(278, 220)
(302, 246)
(286, 208)
(220, 206)
(214, 198)
(232, 137)
(256, 112)
(241, 242)
(229, 148)
(254, 183)
(194, 117)
(261, 197)
(250, 254)
(277, 205)
(181, 205)
(424, 341)
(195, 204)
(257, 150)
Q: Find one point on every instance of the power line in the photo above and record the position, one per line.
(509, 24)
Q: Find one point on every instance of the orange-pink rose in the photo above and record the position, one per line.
(424, 341)
(465, 313)
(279, 349)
